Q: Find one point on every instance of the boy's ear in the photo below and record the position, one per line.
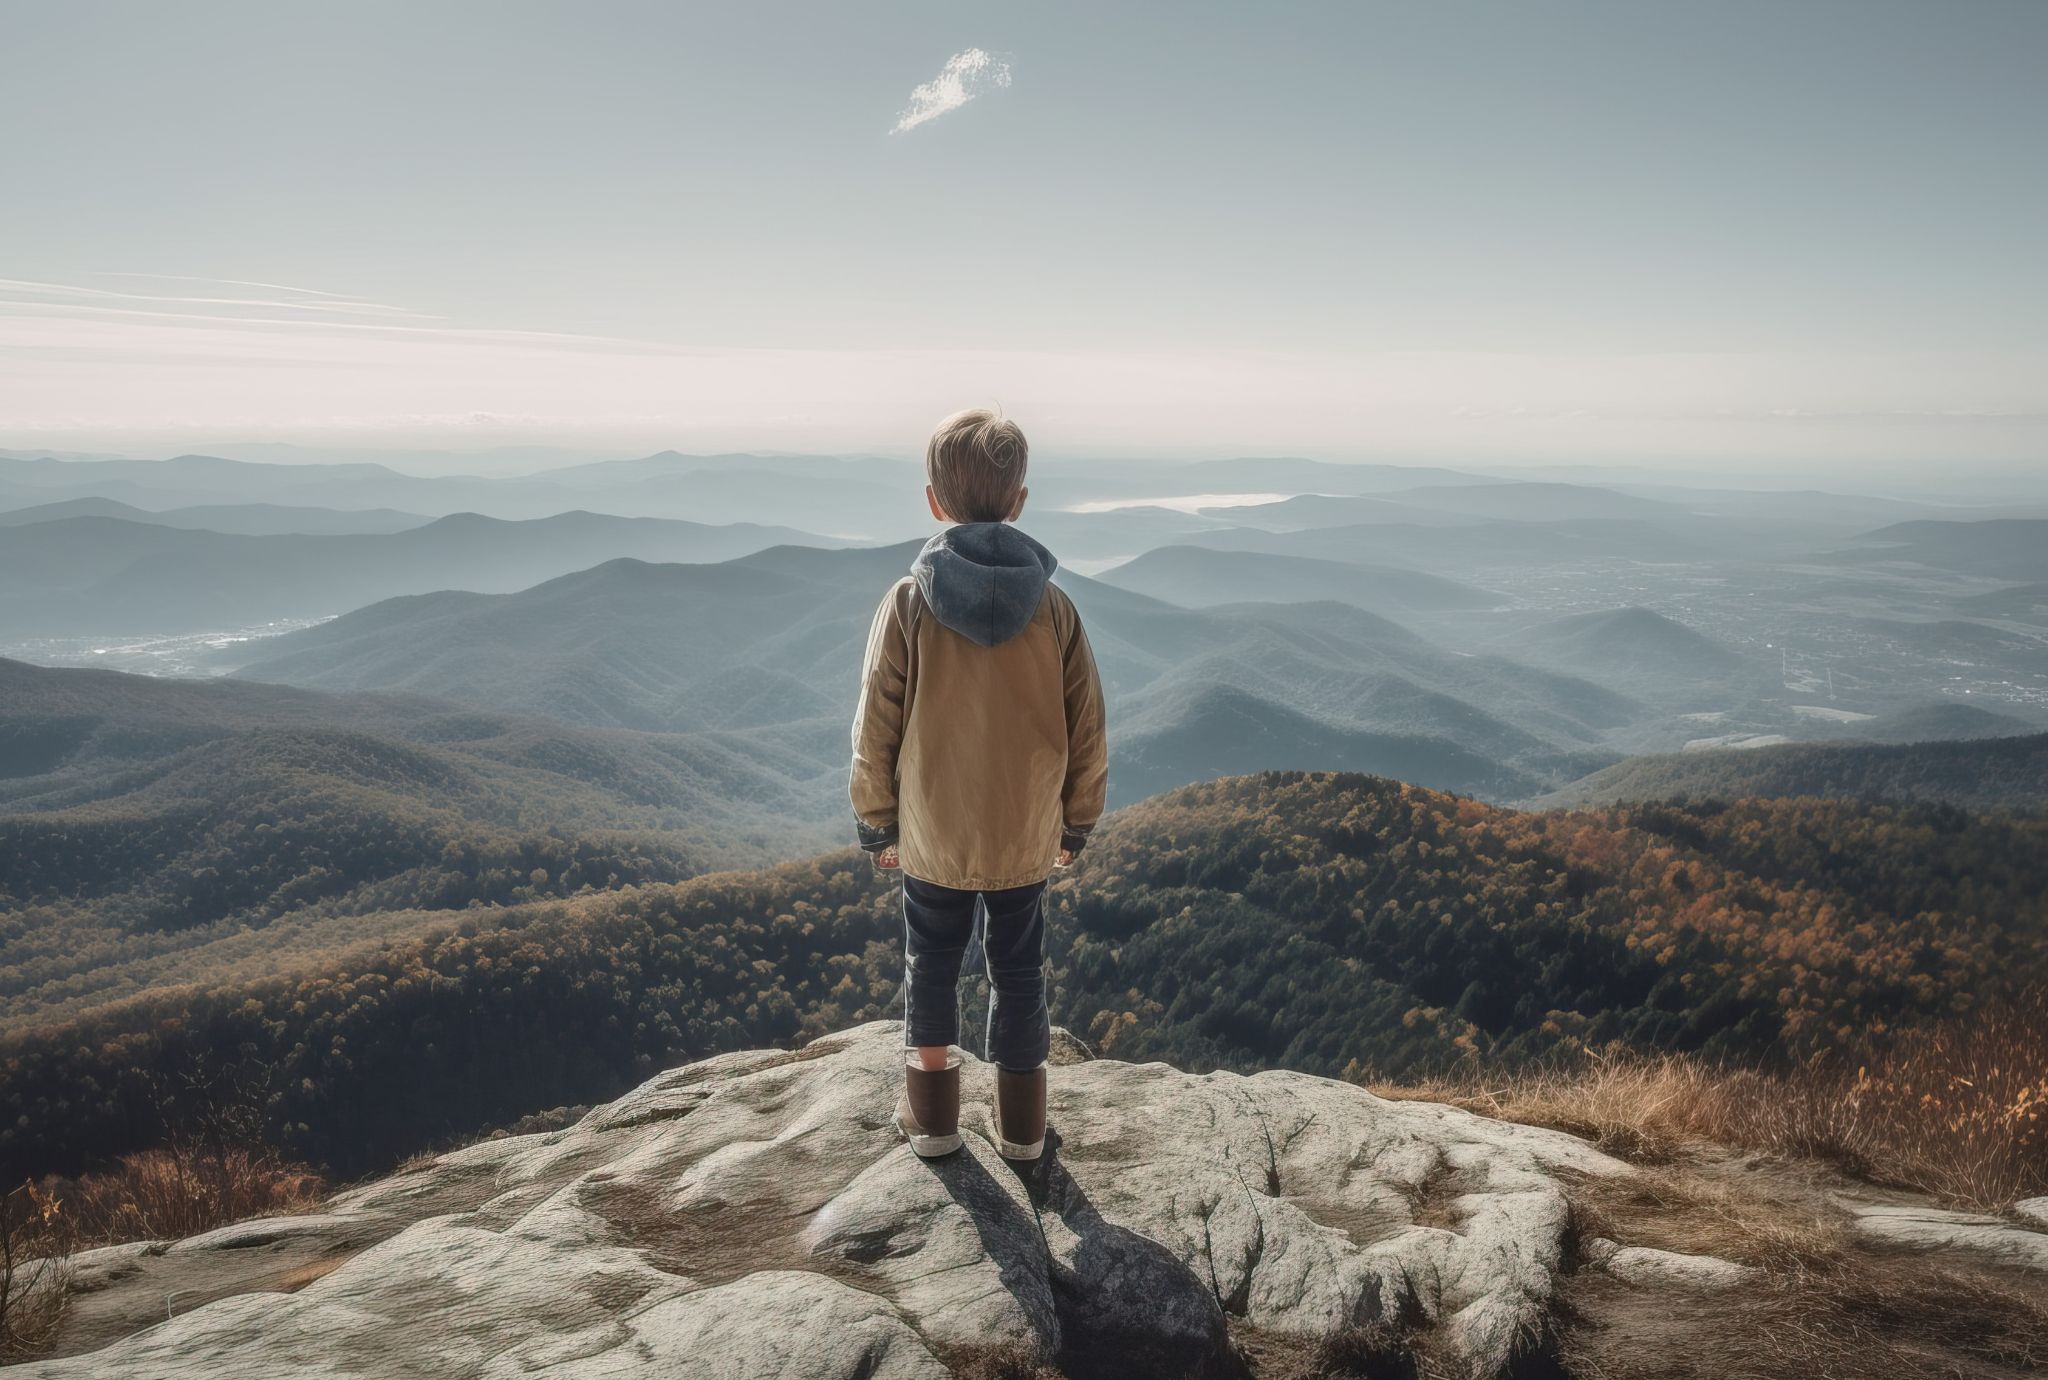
(1018, 511)
(931, 496)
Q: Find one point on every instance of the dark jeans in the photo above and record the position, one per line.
(937, 923)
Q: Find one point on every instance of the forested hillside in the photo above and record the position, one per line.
(1328, 923)
(1985, 773)
(157, 832)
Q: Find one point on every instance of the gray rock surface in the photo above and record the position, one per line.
(755, 1215)
(1992, 1239)
(2032, 1212)
(1649, 1268)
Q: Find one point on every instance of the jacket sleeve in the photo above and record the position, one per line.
(1087, 743)
(878, 728)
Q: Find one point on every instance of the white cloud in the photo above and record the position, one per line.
(965, 76)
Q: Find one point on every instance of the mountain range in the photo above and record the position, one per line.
(1197, 577)
(772, 642)
(244, 519)
(1466, 636)
(2001, 548)
(1640, 652)
(93, 576)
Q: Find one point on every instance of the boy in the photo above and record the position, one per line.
(978, 765)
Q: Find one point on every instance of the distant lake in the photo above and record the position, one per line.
(149, 654)
(1181, 503)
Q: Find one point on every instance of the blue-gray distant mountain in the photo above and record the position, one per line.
(1468, 551)
(1943, 722)
(91, 576)
(629, 644)
(1637, 651)
(795, 492)
(1335, 510)
(1116, 535)
(772, 642)
(1562, 523)
(1964, 642)
(247, 519)
(2001, 548)
(2022, 603)
(1979, 773)
(1127, 479)
(1533, 502)
(1197, 577)
(1198, 733)
(1818, 506)
(187, 480)
(857, 497)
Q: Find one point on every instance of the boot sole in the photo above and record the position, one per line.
(1011, 1150)
(930, 1147)
(934, 1147)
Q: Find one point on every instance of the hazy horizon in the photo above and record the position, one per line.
(1742, 238)
(448, 457)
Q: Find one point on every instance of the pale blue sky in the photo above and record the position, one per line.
(1533, 230)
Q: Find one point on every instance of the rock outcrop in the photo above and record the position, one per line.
(1918, 1227)
(755, 1215)
(1651, 1268)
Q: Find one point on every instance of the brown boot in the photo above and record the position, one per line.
(1020, 1114)
(928, 1111)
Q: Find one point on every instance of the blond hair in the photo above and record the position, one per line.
(975, 463)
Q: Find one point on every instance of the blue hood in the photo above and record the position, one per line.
(984, 580)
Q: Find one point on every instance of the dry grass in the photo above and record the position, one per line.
(174, 1192)
(1365, 1353)
(1829, 1307)
(1409, 1350)
(414, 1163)
(35, 1248)
(1682, 1209)
(1959, 1110)
(1000, 1362)
(1353, 1353)
(153, 1195)
(1859, 1325)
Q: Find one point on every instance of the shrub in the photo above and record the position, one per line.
(35, 1251)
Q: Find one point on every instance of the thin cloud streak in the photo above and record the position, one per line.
(965, 76)
(356, 307)
(225, 282)
(481, 335)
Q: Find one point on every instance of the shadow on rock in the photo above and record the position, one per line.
(1126, 1304)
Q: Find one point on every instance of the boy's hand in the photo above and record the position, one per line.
(886, 860)
(1066, 858)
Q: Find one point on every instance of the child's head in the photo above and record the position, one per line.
(975, 467)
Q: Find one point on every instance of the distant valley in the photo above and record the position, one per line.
(427, 740)
(1502, 637)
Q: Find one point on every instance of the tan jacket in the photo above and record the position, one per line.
(979, 761)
